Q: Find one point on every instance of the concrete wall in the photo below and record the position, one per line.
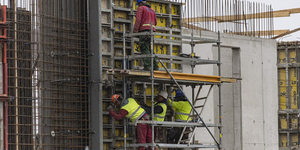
(249, 111)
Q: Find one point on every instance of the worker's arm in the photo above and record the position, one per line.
(118, 116)
(174, 104)
(157, 109)
(138, 19)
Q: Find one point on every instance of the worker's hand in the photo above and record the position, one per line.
(141, 102)
(110, 107)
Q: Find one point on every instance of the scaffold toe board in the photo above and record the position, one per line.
(180, 77)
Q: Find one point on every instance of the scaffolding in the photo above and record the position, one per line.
(167, 77)
(288, 94)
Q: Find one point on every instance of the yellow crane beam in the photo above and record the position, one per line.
(230, 18)
(262, 33)
(287, 33)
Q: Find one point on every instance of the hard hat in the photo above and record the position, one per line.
(164, 94)
(178, 93)
(138, 1)
(114, 98)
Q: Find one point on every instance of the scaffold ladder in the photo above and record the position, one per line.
(185, 131)
(184, 137)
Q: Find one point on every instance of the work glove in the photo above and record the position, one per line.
(141, 102)
(110, 107)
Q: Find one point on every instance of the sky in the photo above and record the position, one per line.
(282, 23)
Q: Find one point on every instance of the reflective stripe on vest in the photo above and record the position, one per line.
(148, 25)
(161, 116)
(135, 112)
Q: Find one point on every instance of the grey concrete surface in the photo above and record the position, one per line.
(249, 111)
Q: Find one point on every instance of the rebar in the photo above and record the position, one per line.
(48, 74)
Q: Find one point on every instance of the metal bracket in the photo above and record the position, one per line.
(63, 54)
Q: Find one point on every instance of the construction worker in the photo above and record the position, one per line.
(130, 109)
(145, 15)
(160, 108)
(182, 112)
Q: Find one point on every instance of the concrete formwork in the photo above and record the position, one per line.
(249, 107)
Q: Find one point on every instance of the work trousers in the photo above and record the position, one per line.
(174, 136)
(144, 135)
(144, 44)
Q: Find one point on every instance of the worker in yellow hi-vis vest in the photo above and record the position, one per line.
(130, 109)
(182, 112)
(160, 108)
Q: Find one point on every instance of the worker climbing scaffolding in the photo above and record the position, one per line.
(145, 16)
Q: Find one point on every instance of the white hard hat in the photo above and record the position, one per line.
(164, 94)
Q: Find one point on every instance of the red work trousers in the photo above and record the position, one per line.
(144, 134)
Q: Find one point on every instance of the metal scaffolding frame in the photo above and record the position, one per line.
(192, 103)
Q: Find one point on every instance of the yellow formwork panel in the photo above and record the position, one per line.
(136, 47)
(283, 122)
(292, 56)
(105, 118)
(105, 62)
(104, 93)
(118, 52)
(282, 77)
(176, 23)
(293, 97)
(281, 56)
(283, 139)
(104, 105)
(105, 133)
(161, 37)
(160, 49)
(175, 33)
(121, 15)
(176, 50)
(148, 90)
(294, 139)
(119, 27)
(294, 121)
(293, 86)
(157, 7)
(119, 132)
(177, 66)
(282, 96)
(118, 64)
(120, 144)
(175, 10)
(160, 65)
(282, 88)
(105, 32)
(139, 90)
(161, 22)
(137, 63)
(122, 3)
(106, 146)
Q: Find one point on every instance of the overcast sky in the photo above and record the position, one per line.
(282, 23)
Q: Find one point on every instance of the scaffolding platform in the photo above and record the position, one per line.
(163, 76)
(165, 145)
(175, 124)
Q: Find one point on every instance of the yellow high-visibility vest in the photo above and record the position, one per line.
(183, 110)
(135, 111)
(161, 116)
